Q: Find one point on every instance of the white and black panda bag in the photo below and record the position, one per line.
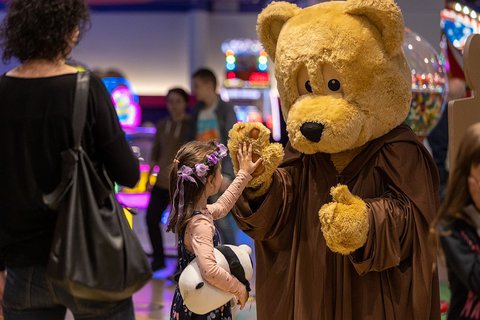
(198, 295)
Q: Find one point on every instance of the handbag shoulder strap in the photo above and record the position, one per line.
(80, 107)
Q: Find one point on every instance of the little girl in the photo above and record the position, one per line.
(196, 176)
(460, 229)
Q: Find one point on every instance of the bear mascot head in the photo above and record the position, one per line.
(342, 76)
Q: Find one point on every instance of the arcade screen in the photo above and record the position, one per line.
(126, 102)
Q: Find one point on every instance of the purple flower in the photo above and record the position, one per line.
(185, 173)
(222, 151)
(201, 169)
(212, 159)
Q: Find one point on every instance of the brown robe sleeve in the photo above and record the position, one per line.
(390, 239)
(400, 219)
(267, 218)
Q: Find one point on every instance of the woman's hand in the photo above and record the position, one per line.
(245, 158)
(243, 298)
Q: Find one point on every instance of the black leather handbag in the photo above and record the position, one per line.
(95, 255)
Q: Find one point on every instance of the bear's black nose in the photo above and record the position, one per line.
(312, 131)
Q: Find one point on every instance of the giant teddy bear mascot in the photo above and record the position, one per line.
(341, 225)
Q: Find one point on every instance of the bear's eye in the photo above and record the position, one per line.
(334, 85)
(308, 86)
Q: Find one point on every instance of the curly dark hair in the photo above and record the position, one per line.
(39, 29)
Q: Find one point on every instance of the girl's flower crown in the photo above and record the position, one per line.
(200, 170)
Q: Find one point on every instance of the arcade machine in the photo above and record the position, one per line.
(247, 84)
(140, 138)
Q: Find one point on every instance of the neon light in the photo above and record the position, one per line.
(269, 122)
(244, 94)
(134, 200)
(259, 77)
(231, 75)
(262, 67)
(166, 214)
(275, 108)
(224, 94)
(262, 60)
(128, 109)
(242, 46)
(231, 59)
(144, 167)
(231, 66)
(125, 101)
(145, 130)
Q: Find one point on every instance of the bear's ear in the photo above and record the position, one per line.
(270, 22)
(386, 16)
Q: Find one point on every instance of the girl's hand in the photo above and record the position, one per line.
(245, 158)
(243, 298)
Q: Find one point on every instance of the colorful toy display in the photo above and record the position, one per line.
(429, 84)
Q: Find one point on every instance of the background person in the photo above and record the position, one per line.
(212, 119)
(171, 135)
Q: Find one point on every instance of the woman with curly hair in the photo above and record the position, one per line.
(37, 109)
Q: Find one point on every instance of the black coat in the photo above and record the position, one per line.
(461, 245)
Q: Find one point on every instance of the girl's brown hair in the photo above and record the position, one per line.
(458, 195)
(189, 155)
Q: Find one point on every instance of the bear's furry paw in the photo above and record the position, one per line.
(258, 135)
(344, 221)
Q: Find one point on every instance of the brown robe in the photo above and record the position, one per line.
(391, 277)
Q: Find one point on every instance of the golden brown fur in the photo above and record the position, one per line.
(359, 44)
